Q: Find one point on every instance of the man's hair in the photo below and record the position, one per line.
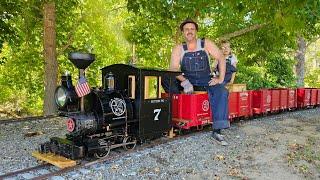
(186, 21)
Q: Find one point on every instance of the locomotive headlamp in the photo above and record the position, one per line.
(65, 96)
(61, 96)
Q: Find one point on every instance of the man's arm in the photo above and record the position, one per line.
(175, 61)
(215, 52)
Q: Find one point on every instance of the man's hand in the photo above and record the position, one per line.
(187, 86)
(215, 81)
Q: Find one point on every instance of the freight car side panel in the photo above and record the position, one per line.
(233, 105)
(318, 96)
(244, 103)
(283, 99)
(313, 96)
(292, 98)
(275, 100)
(304, 95)
(261, 101)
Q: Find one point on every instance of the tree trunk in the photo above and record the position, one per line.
(50, 57)
(300, 57)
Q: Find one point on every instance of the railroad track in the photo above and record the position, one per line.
(118, 154)
(26, 119)
(34, 171)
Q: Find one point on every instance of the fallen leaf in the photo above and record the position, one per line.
(30, 134)
(234, 172)
(219, 157)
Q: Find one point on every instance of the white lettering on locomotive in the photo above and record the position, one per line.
(118, 106)
(157, 111)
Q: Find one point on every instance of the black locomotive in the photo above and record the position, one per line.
(128, 108)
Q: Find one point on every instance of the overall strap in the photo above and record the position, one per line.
(185, 47)
(202, 43)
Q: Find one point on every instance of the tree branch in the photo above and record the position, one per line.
(117, 8)
(241, 32)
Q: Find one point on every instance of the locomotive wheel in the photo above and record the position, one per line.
(127, 140)
(102, 153)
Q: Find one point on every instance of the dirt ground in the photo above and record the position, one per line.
(280, 146)
(287, 147)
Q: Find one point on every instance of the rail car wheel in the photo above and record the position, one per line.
(102, 153)
(129, 139)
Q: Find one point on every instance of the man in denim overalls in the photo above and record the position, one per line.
(192, 58)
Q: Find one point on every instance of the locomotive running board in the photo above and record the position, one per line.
(54, 159)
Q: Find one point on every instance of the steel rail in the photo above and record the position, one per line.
(15, 173)
(26, 119)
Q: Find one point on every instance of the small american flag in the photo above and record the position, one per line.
(82, 87)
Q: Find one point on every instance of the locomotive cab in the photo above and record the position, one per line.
(143, 87)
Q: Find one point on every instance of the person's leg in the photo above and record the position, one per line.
(218, 96)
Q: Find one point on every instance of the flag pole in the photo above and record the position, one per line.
(81, 74)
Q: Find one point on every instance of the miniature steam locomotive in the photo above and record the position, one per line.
(128, 108)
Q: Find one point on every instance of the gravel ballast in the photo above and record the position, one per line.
(260, 148)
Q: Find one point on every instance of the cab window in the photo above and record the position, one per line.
(152, 87)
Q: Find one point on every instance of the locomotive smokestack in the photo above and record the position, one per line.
(81, 60)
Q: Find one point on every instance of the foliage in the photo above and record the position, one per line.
(279, 69)
(109, 28)
(80, 26)
(97, 31)
(268, 47)
(253, 76)
(312, 78)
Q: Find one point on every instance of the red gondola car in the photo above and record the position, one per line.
(283, 98)
(275, 100)
(313, 96)
(292, 98)
(261, 101)
(245, 103)
(318, 96)
(303, 97)
(191, 110)
(233, 105)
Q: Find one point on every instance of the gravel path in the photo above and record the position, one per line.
(262, 148)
